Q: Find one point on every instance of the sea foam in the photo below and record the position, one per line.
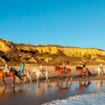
(84, 99)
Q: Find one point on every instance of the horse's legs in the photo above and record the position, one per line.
(37, 78)
(17, 80)
(24, 79)
(29, 78)
(4, 80)
(98, 74)
(47, 79)
(14, 80)
(4, 90)
(102, 73)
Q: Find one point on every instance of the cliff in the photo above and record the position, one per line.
(49, 54)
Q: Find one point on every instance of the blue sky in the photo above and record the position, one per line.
(78, 23)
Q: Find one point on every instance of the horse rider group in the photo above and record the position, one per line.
(63, 66)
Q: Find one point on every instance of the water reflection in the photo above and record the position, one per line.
(64, 84)
(13, 90)
(39, 93)
(46, 88)
(100, 84)
(83, 84)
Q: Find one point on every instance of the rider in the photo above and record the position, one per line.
(42, 68)
(84, 67)
(6, 69)
(101, 66)
(22, 68)
(64, 66)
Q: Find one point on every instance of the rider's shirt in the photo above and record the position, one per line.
(84, 68)
(22, 67)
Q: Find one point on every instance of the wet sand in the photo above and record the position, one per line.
(37, 94)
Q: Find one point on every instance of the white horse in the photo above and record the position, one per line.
(40, 73)
(100, 71)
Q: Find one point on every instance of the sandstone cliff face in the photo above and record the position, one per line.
(69, 51)
(6, 45)
(50, 54)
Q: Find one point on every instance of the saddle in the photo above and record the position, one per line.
(21, 74)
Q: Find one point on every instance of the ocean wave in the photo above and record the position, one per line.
(85, 99)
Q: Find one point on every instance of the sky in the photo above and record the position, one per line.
(78, 23)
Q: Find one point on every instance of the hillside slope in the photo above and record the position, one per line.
(48, 55)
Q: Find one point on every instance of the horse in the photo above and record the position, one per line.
(82, 72)
(100, 71)
(61, 72)
(13, 73)
(40, 73)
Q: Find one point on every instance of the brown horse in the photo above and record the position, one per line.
(82, 72)
(61, 72)
(12, 73)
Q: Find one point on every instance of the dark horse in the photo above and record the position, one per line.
(12, 73)
(61, 72)
(82, 72)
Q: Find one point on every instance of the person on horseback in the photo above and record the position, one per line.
(101, 66)
(84, 67)
(42, 69)
(64, 66)
(6, 71)
(22, 68)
